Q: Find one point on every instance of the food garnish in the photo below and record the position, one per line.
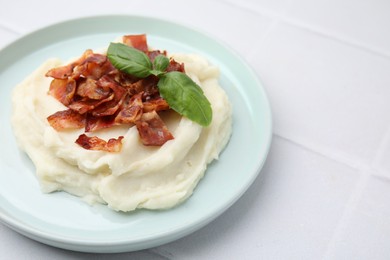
(180, 91)
(128, 86)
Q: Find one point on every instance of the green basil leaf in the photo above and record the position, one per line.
(157, 73)
(129, 60)
(185, 97)
(160, 63)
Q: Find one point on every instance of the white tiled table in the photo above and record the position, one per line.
(325, 189)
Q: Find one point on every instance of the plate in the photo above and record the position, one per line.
(64, 221)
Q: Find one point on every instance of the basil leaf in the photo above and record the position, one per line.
(129, 60)
(185, 97)
(160, 63)
(180, 91)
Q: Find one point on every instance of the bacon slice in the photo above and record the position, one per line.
(153, 54)
(109, 83)
(63, 90)
(137, 41)
(94, 66)
(147, 85)
(85, 105)
(90, 64)
(111, 107)
(175, 66)
(95, 123)
(155, 104)
(62, 72)
(67, 119)
(66, 71)
(95, 143)
(152, 130)
(125, 80)
(131, 111)
(89, 88)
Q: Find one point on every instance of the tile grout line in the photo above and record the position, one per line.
(275, 18)
(161, 252)
(353, 201)
(343, 223)
(264, 11)
(380, 153)
(366, 171)
(382, 178)
(10, 29)
(335, 37)
(282, 17)
(338, 159)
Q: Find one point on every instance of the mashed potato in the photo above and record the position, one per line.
(137, 177)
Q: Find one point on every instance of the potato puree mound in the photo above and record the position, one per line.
(137, 177)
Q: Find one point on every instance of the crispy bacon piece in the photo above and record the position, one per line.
(155, 104)
(63, 90)
(95, 123)
(67, 119)
(136, 41)
(91, 65)
(89, 88)
(131, 111)
(94, 66)
(125, 80)
(152, 130)
(153, 54)
(85, 105)
(66, 71)
(95, 143)
(147, 85)
(111, 107)
(175, 66)
(62, 72)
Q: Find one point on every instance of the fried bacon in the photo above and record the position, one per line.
(85, 105)
(67, 119)
(95, 143)
(63, 90)
(89, 88)
(153, 54)
(99, 96)
(132, 110)
(175, 66)
(155, 104)
(95, 123)
(136, 41)
(152, 130)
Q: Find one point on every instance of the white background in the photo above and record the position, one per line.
(325, 189)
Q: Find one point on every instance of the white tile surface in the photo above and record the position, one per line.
(366, 235)
(364, 22)
(237, 28)
(325, 94)
(234, 27)
(275, 7)
(6, 36)
(325, 187)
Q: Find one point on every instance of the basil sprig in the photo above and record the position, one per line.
(181, 93)
(160, 64)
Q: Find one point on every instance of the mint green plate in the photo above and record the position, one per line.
(64, 221)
